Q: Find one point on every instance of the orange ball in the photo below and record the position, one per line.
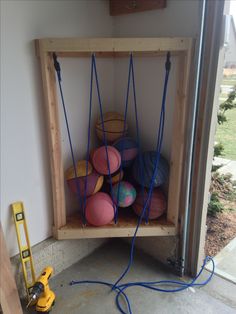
(113, 126)
(157, 203)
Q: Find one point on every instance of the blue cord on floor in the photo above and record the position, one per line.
(152, 285)
(120, 289)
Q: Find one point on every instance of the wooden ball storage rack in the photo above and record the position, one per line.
(71, 227)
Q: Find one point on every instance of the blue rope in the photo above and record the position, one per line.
(183, 285)
(124, 130)
(74, 282)
(140, 159)
(104, 136)
(159, 144)
(162, 118)
(59, 79)
(152, 285)
(119, 289)
(89, 132)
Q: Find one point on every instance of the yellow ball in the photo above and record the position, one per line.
(113, 126)
(99, 184)
(116, 177)
(92, 183)
(80, 170)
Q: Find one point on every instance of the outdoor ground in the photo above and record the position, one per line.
(220, 231)
(226, 132)
(221, 228)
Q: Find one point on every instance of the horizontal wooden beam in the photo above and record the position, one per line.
(115, 55)
(113, 45)
(119, 7)
(124, 228)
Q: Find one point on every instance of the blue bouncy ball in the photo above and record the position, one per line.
(128, 149)
(143, 169)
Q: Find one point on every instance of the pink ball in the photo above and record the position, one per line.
(99, 159)
(99, 209)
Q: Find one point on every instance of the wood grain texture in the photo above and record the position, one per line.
(205, 129)
(119, 7)
(86, 46)
(54, 137)
(125, 227)
(179, 136)
(9, 298)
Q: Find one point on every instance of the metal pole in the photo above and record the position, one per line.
(192, 138)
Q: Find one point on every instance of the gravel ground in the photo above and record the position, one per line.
(221, 229)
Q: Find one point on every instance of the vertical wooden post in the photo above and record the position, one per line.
(179, 136)
(9, 297)
(54, 137)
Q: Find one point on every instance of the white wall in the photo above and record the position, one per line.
(179, 19)
(24, 157)
(25, 171)
(76, 84)
(149, 81)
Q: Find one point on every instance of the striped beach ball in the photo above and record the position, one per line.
(143, 173)
(113, 126)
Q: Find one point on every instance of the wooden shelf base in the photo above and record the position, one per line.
(125, 227)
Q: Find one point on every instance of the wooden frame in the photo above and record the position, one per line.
(64, 227)
(213, 50)
(119, 7)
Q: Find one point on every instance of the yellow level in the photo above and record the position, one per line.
(24, 247)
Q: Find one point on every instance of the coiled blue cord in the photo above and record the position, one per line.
(152, 285)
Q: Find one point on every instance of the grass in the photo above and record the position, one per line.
(226, 132)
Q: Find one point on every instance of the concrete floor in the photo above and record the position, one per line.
(227, 166)
(107, 263)
(225, 262)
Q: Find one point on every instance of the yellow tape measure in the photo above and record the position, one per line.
(25, 249)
